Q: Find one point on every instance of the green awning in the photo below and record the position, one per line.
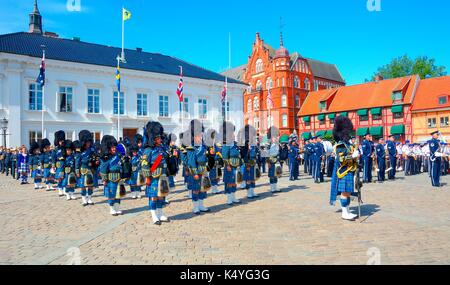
(320, 133)
(362, 131)
(284, 139)
(306, 135)
(307, 119)
(375, 111)
(344, 114)
(331, 116)
(362, 112)
(264, 140)
(398, 130)
(329, 133)
(321, 117)
(397, 109)
(376, 131)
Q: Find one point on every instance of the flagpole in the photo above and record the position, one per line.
(43, 100)
(182, 101)
(118, 101)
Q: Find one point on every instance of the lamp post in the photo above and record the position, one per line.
(4, 127)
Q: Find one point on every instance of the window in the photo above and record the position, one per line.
(296, 82)
(398, 115)
(228, 110)
(431, 122)
(164, 106)
(397, 96)
(93, 101)
(256, 123)
(323, 106)
(35, 136)
(364, 118)
(97, 136)
(284, 100)
(35, 97)
(444, 122)
(282, 82)
(202, 108)
(116, 103)
(184, 107)
(297, 101)
(316, 85)
(256, 103)
(376, 117)
(307, 85)
(269, 83)
(332, 121)
(307, 124)
(270, 121)
(65, 98)
(443, 100)
(249, 105)
(142, 104)
(284, 121)
(258, 86)
(259, 66)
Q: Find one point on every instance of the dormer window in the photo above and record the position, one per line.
(323, 106)
(443, 100)
(397, 96)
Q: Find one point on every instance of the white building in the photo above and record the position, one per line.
(80, 89)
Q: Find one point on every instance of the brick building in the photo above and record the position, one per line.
(288, 76)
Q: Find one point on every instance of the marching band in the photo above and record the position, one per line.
(153, 161)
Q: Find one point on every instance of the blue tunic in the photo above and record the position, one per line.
(230, 153)
(149, 158)
(345, 184)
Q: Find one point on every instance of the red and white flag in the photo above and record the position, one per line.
(224, 92)
(180, 86)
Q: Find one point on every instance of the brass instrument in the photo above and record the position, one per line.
(348, 163)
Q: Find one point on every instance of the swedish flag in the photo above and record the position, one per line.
(118, 78)
(126, 15)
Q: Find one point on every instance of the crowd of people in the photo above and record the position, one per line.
(150, 162)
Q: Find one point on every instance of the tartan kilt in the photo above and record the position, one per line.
(24, 167)
(346, 184)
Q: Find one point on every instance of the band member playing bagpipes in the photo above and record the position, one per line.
(46, 159)
(58, 160)
(213, 156)
(196, 162)
(23, 166)
(173, 160)
(247, 137)
(111, 172)
(275, 169)
(185, 171)
(76, 154)
(70, 180)
(86, 164)
(137, 179)
(232, 160)
(154, 169)
(345, 166)
(35, 164)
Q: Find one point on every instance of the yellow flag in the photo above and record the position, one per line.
(125, 14)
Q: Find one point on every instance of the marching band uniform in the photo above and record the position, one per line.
(345, 166)
(249, 157)
(46, 158)
(35, 164)
(214, 157)
(426, 158)
(406, 154)
(319, 153)
(23, 166)
(154, 169)
(435, 157)
(367, 153)
(381, 161)
(392, 151)
(70, 181)
(58, 160)
(274, 158)
(135, 184)
(312, 157)
(293, 160)
(232, 160)
(446, 159)
(306, 156)
(173, 158)
(85, 165)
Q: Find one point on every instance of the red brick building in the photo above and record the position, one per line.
(383, 107)
(288, 76)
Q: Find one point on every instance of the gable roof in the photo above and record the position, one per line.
(236, 73)
(29, 44)
(361, 96)
(428, 93)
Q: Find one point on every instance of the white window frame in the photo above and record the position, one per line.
(35, 89)
(64, 89)
(284, 100)
(164, 99)
(122, 98)
(284, 121)
(144, 107)
(94, 96)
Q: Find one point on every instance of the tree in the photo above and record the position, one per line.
(403, 66)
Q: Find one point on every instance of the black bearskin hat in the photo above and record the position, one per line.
(68, 144)
(343, 127)
(34, 146)
(152, 131)
(98, 146)
(227, 131)
(210, 138)
(59, 136)
(137, 138)
(273, 132)
(127, 142)
(85, 136)
(45, 143)
(247, 135)
(77, 145)
(107, 143)
(195, 128)
(133, 148)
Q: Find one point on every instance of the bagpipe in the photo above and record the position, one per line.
(172, 163)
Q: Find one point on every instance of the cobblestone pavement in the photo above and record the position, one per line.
(405, 222)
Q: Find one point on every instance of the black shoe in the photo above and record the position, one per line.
(157, 223)
(197, 213)
(206, 211)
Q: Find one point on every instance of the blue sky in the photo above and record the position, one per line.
(342, 32)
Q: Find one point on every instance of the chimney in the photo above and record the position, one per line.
(138, 49)
(378, 78)
(51, 35)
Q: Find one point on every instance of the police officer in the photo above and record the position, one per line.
(392, 151)
(435, 157)
(381, 162)
(367, 154)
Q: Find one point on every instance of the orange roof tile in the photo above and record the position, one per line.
(361, 96)
(428, 93)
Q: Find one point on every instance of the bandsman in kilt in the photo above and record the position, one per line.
(86, 164)
(173, 159)
(232, 161)
(345, 166)
(154, 169)
(196, 163)
(23, 165)
(46, 159)
(70, 179)
(247, 138)
(35, 164)
(275, 170)
(77, 154)
(185, 171)
(58, 160)
(214, 156)
(136, 180)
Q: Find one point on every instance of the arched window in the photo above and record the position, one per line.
(284, 121)
(258, 85)
(249, 105)
(256, 123)
(296, 82)
(307, 85)
(284, 100)
(269, 83)
(256, 103)
(259, 66)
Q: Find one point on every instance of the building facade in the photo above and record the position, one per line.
(80, 90)
(288, 77)
(431, 109)
(382, 108)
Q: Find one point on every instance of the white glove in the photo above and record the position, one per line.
(438, 154)
(355, 154)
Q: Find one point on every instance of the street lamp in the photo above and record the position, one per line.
(4, 127)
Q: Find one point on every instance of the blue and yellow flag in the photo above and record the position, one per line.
(126, 15)
(118, 78)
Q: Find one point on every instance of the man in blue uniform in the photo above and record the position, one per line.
(381, 160)
(85, 165)
(247, 138)
(58, 160)
(319, 155)
(306, 156)
(293, 160)
(435, 157)
(392, 151)
(312, 157)
(232, 160)
(367, 154)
